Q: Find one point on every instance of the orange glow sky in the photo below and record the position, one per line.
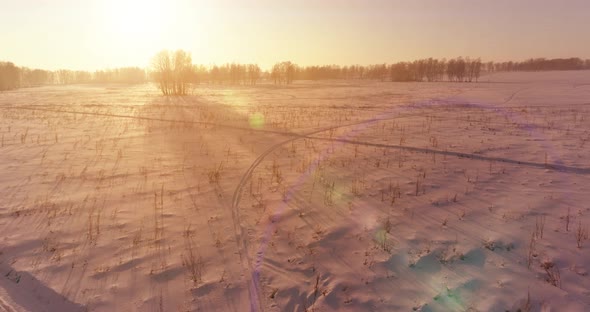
(94, 34)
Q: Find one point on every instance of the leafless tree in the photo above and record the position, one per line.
(172, 71)
(65, 76)
(253, 73)
(129, 75)
(9, 76)
(284, 72)
(162, 71)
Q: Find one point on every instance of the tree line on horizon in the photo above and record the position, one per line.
(14, 77)
(173, 71)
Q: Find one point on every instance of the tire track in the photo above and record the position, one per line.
(253, 288)
(239, 230)
(255, 303)
(511, 97)
(295, 135)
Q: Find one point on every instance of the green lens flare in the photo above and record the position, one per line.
(256, 120)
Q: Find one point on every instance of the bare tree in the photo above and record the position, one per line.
(284, 72)
(476, 68)
(181, 71)
(275, 73)
(9, 76)
(129, 75)
(162, 71)
(172, 71)
(65, 76)
(253, 73)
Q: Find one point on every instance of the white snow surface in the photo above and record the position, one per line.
(318, 196)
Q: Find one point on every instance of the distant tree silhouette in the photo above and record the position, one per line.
(199, 73)
(400, 72)
(283, 73)
(34, 77)
(130, 75)
(456, 69)
(82, 77)
(473, 69)
(541, 64)
(253, 73)
(9, 76)
(235, 74)
(64, 76)
(172, 71)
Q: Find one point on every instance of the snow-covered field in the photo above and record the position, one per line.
(319, 196)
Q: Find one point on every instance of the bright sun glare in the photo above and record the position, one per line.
(135, 19)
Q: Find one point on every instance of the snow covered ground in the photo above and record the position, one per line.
(319, 196)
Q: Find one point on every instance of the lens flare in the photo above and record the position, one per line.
(256, 120)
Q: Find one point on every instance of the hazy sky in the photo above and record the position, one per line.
(94, 34)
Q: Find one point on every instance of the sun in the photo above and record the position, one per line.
(135, 19)
(133, 26)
